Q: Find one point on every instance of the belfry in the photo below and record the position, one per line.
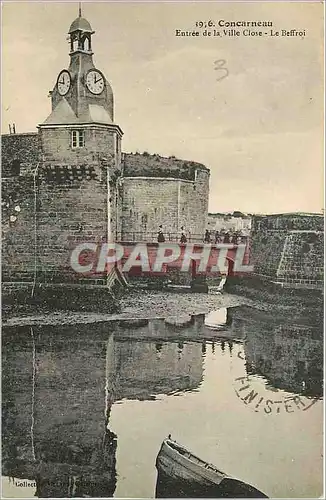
(82, 102)
(69, 184)
(81, 156)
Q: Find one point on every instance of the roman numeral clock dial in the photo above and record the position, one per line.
(63, 82)
(95, 81)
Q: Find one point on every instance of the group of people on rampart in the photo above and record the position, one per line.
(209, 236)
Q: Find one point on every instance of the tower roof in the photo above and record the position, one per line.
(63, 114)
(80, 23)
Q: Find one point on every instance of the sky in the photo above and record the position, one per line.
(259, 129)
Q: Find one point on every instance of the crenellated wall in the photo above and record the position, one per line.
(43, 215)
(72, 206)
(53, 196)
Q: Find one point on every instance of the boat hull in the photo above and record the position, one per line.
(174, 465)
(182, 475)
(175, 487)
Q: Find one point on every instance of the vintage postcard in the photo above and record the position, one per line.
(162, 249)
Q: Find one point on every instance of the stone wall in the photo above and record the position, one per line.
(19, 153)
(54, 195)
(45, 217)
(18, 258)
(288, 222)
(163, 191)
(72, 206)
(99, 142)
(48, 205)
(302, 258)
(289, 248)
(266, 251)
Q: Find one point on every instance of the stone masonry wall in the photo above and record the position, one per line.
(72, 208)
(69, 194)
(302, 257)
(19, 152)
(53, 195)
(149, 202)
(102, 147)
(99, 142)
(64, 213)
(18, 228)
(288, 222)
(289, 248)
(266, 251)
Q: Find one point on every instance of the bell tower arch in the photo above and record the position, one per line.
(80, 35)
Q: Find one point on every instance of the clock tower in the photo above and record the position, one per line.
(80, 172)
(82, 100)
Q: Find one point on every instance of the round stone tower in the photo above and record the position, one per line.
(165, 192)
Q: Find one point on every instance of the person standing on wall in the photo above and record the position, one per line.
(217, 237)
(160, 235)
(207, 238)
(226, 238)
(183, 238)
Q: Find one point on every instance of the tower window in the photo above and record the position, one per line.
(77, 139)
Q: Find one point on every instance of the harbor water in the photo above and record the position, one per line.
(85, 410)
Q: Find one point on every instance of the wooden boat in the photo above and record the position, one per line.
(182, 474)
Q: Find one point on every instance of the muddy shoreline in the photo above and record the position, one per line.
(137, 305)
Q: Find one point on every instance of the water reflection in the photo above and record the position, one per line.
(57, 398)
(63, 387)
(289, 356)
(142, 370)
(54, 418)
(217, 318)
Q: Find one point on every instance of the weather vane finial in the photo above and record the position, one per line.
(79, 9)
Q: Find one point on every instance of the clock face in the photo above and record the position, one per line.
(63, 82)
(95, 81)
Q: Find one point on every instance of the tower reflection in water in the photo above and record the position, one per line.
(54, 415)
(59, 384)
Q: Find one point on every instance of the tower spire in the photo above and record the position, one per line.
(79, 10)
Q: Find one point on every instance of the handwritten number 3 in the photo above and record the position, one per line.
(220, 66)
